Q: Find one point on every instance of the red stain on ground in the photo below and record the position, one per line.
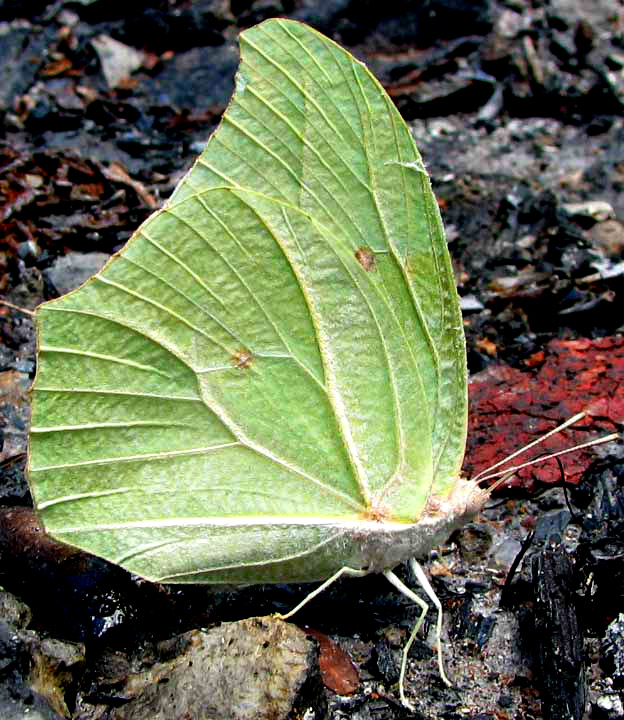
(510, 408)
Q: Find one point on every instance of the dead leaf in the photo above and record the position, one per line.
(338, 672)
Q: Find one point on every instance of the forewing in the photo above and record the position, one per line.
(334, 145)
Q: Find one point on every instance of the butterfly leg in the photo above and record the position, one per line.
(349, 572)
(426, 586)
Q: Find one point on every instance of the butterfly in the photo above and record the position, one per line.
(268, 383)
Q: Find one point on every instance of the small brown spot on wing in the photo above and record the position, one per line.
(242, 359)
(366, 257)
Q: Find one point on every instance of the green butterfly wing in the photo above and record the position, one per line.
(279, 350)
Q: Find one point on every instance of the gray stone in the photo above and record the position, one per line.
(14, 612)
(72, 270)
(254, 669)
(118, 61)
(597, 210)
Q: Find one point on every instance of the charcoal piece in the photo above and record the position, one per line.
(599, 567)
(21, 49)
(559, 643)
(613, 651)
(384, 662)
